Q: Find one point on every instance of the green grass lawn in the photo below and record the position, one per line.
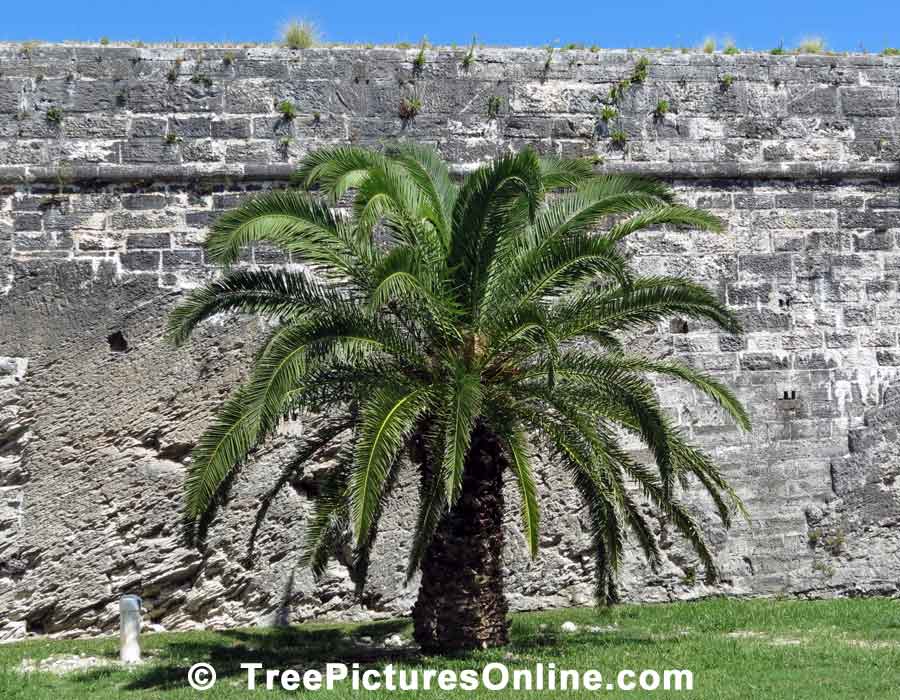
(735, 649)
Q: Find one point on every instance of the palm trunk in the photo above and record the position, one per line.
(461, 603)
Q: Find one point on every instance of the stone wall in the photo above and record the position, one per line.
(114, 160)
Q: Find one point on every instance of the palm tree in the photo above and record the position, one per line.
(458, 329)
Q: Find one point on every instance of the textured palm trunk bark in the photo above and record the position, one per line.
(461, 603)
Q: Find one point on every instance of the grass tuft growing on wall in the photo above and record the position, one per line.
(811, 44)
(299, 34)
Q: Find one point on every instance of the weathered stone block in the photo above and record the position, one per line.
(859, 316)
(200, 150)
(182, 259)
(763, 361)
(190, 127)
(840, 340)
(879, 240)
(887, 200)
(142, 260)
(794, 219)
(12, 95)
(91, 126)
(144, 201)
(95, 95)
(776, 265)
(149, 151)
(142, 127)
(146, 219)
(869, 101)
(806, 340)
(250, 152)
(878, 338)
(762, 320)
(231, 128)
(150, 240)
(249, 97)
(878, 219)
(749, 294)
(817, 100)
(889, 358)
(28, 222)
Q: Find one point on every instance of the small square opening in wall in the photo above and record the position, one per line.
(117, 342)
(678, 325)
(788, 400)
(785, 301)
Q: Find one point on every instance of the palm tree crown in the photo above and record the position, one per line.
(433, 309)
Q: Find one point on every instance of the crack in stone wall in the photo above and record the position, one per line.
(101, 219)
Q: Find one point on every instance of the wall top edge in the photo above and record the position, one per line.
(73, 175)
(664, 55)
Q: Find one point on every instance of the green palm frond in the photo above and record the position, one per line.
(387, 420)
(610, 185)
(388, 194)
(615, 389)
(653, 485)
(557, 173)
(297, 224)
(314, 441)
(584, 367)
(575, 454)
(643, 530)
(362, 552)
(480, 217)
(221, 449)
(405, 276)
(432, 177)
(605, 588)
(556, 270)
(581, 211)
(712, 388)
(336, 169)
(462, 409)
(275, 293)
(693, 461)
(340, 335)
(520, 462)
(670, 215)
(328, 527)
(574, 217)
(646, 300)
(432, 495)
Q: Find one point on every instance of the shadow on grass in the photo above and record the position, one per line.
(283, 647)
(296, 647)
(553, 644)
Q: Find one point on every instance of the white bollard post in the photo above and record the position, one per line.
(130, 629)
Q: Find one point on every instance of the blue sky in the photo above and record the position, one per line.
(760, 24)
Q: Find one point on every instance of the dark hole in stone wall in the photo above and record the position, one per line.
(678, 325)
(307, 486)
(117, 342)
(175, 452)
(35, 627)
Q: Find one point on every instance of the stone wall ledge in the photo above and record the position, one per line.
(75, 175)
